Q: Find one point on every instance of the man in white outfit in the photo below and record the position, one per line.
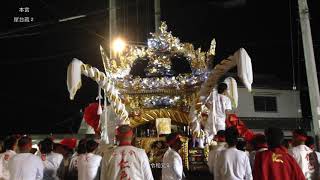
(10, 144)
(215, 152)
(311, 145)
(220, 107)
(66, 148)
(25, 166)
(125, 161)
(232, 164)
(51, 160)
(73, 166)
(223, 106)
(172, 163)
(314, 157)
(302, 153)
(89, 163)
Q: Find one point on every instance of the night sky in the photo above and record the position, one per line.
(35, 55)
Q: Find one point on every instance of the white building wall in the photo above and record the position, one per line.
(288, 103)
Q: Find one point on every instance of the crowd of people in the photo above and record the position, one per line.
(266, 157)
(91, 161)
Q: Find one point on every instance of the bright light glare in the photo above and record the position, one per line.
(118, 45)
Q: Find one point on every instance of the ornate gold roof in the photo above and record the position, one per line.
(160, 47)
(150, 81)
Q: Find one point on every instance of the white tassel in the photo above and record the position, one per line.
(106, 136)
(99, 112)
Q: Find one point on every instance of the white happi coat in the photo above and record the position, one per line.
(88, 166)
(4, 164)
(232, 164)
(213, 155)
(223, 103)
(173, 167)
(51, 164)
(301, 155)
(126, 162)
(26, 166)
(219, 103)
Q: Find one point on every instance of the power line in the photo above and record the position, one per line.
(41, 24)
(80, 27)
(22, 29)
(38, 33)
(44, 58)
(19, 35)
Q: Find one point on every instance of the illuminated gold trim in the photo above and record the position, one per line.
(149, 115)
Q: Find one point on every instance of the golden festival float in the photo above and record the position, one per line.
(158, 89)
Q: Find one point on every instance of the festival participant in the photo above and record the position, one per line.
(223, 107)
(275, 163)
(173, 167)
(242, 146)
(10, 144)
(259, 144)
(232, 164)
(125, 161)
(89, 163)
(51, 160)
(73, 166)
(66, 148)
(314, 157)
(25, 165)
(219, 106)
(311, 145)
(214, 153)
(302, 153)
(158, 149)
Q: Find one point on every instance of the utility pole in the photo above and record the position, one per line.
(310, 65)
(112, 32)
(112, 24)
(157, 15)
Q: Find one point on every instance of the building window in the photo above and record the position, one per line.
(265, 104)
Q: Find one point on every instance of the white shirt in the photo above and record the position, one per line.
(173, 168)
(213, 155)
(88, 166)
(127, 161)
(26, 166)
(223, 103)
(217, 115)
(51, 164)
(4, 164)
(301, 155)
(232, 164)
